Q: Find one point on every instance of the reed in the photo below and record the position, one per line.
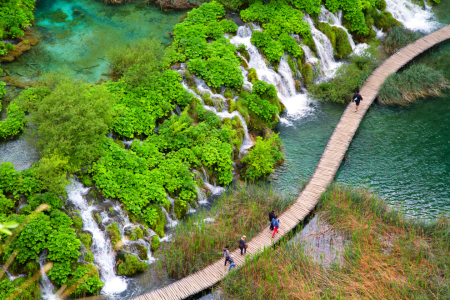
(240, 211)
(398, 37)
(417, 81)
(387, 257)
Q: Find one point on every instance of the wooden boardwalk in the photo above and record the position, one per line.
(322, 177)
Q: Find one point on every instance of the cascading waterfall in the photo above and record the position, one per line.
(296, 103)
(413, 16)
(170, 222)
(202, 87)
(336, 21)
(380, 34)
(324, 50)
(104, 256)
(47, 286)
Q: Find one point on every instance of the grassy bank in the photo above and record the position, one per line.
(240, 211)
(415, 82)
(387, 257)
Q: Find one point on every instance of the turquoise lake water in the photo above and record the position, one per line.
(77, 35)
(401, 153)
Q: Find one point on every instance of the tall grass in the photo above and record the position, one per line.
(415, 82)
(398, 37)
(387, 257)
(241, 211)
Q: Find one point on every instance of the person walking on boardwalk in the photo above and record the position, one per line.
(275, 224)
(242, 245)
(357, 98)
(271, 216)
(232, 264)
(226, 254)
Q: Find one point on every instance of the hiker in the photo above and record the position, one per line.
(271, 216)
(226, 254)
(232, 264)
(275, 224)
(357, 98)
(242, 245)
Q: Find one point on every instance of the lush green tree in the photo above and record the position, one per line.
(71, 122)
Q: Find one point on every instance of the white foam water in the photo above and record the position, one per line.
(412, 16)
(47, 287)
(104, 256)
(171, 223)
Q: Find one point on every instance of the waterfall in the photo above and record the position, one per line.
(47, 286)
(202, 87)
(413, 16)
(324, 50)
(380, 34)
(336, 21)
(104, 256)
(201, 197)
(170, 222)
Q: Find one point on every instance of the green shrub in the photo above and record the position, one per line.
(86, 239)
(63, 245)
(155, 243)
(262, 158)
(338, 38)
(415, 82)
(252, 76)
(77, 222)
(131, 266)
(139, 233)
(385, 21)
(6, 205)
(87, 281)
(15, 15)
(49, 198)
(59, 219)
(89, 256)
(180, 208)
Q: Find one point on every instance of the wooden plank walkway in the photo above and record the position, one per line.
(321, 178)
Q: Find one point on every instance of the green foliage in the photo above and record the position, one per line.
(348, 79)
(414, 82)
(154, 217)
(385, 20)
(309, 6)
(262, 158)
(234, 5)
(214, 62)
(137, 108)
(71, 121)
(271, 48)
(7, 288)
(63, 245)
(155, 243)
(398, 37)
(139, 233)
(13, 124)
(353, 12)
(180, 208)
(6, 205)
(60, 272)
(59, 219)
(290, 45)
(131, 265)
(92, 283)
(14, 16)
(114, 233)
(277, 17)
(48, 198)
(252, 76)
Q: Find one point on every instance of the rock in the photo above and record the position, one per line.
(175, 67)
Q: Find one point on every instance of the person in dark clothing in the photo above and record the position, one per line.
(226, 254)
(271, 216)
(357, 98)
(242, 245)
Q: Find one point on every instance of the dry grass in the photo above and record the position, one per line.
(241, 211)
(387, 257)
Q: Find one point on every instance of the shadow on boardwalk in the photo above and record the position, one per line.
(323, 175)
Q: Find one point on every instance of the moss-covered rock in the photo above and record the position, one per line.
(291, 65)
(236, 122)
(307, 73)
(86, 239)
(342, 47)
(180, 208)
(252, 75)
(231, 106)
(97, 218)
(114, 233)
(139, 233)
(381, 5)
(131, 235)
(77, 222)
(155, 243)
(298, 85)
(131, 265)
(31, 268)
(207, 98)
(385, 20)
(86, 180)
(228, 94)
(142, 251)
(189, 79)
(89, 256)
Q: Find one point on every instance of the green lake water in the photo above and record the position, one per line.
(401, 153)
